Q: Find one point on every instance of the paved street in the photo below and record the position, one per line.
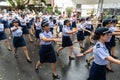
(18, 69)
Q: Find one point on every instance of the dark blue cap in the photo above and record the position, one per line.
(15, 21)
(82, 19)
(107, 21)
(66, 21)
(44, 22)
(102, 30)
(114, 21)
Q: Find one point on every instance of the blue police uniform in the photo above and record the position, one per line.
(51, 24)
(37, 29)
(98, 68)
(31, 23)
(5, 22)
(23, 24)
(46, 52)
(88, 27)
(66, 41)
(74, 23)
(2, 33)
(112, 41)
(80, 34)
(60, 24)
(107, 44)
(18, 40)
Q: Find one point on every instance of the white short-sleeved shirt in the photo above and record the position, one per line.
(100, 54)
(88, 24)
(51, 24)
(112, 29)
(23, 21)
(80, 26)
(47, 35)
(38, 25)
(65, 29)
(1, 27)
(17, 33)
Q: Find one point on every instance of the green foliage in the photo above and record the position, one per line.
(49, 9)
(69, 10)
(19, 4)
(57, 11)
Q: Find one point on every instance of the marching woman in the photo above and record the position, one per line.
(38, 28)
(101, 55)
(4, 37)
(18, 40)
(80, 34)
(46, 52)
(66, 41)
(51, 24)
(112, 41)
(88, 27)
(23, 24)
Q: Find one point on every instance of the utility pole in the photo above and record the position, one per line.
(100, 8)
(53, 4)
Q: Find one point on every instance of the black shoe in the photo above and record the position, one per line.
(109, 70)
(16, 56)
(115, 57)
(56, 76)
(36, 70)
(87, 62)
(57, 53)
(71, 58)
(29, 61)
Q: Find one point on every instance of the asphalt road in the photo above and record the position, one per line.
(18, 69)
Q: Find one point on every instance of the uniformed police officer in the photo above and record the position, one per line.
(51, 24)
(4, 37)
(101, 55)
(23, 24)
(38, 28)
(66, 41)
(46, 52)
(88, 27)
(80, 34)
(18, 40)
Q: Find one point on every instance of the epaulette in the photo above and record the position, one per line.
(98, 46)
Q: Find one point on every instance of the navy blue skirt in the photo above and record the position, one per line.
(66, 41)
(87, 33)
(19, 42)
(92, 28)
(6, 25)
(80, 36)
(2, 36)
(51, 29)
(25, 29)
(37, 32)
(112, 41)
(97, 72)
(74, 24)
(47, 54)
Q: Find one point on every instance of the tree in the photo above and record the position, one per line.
(69, 10)
(19, 4)
(49, 9)
(2, 0)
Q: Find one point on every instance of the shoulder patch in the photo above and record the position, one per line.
(97, 45)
